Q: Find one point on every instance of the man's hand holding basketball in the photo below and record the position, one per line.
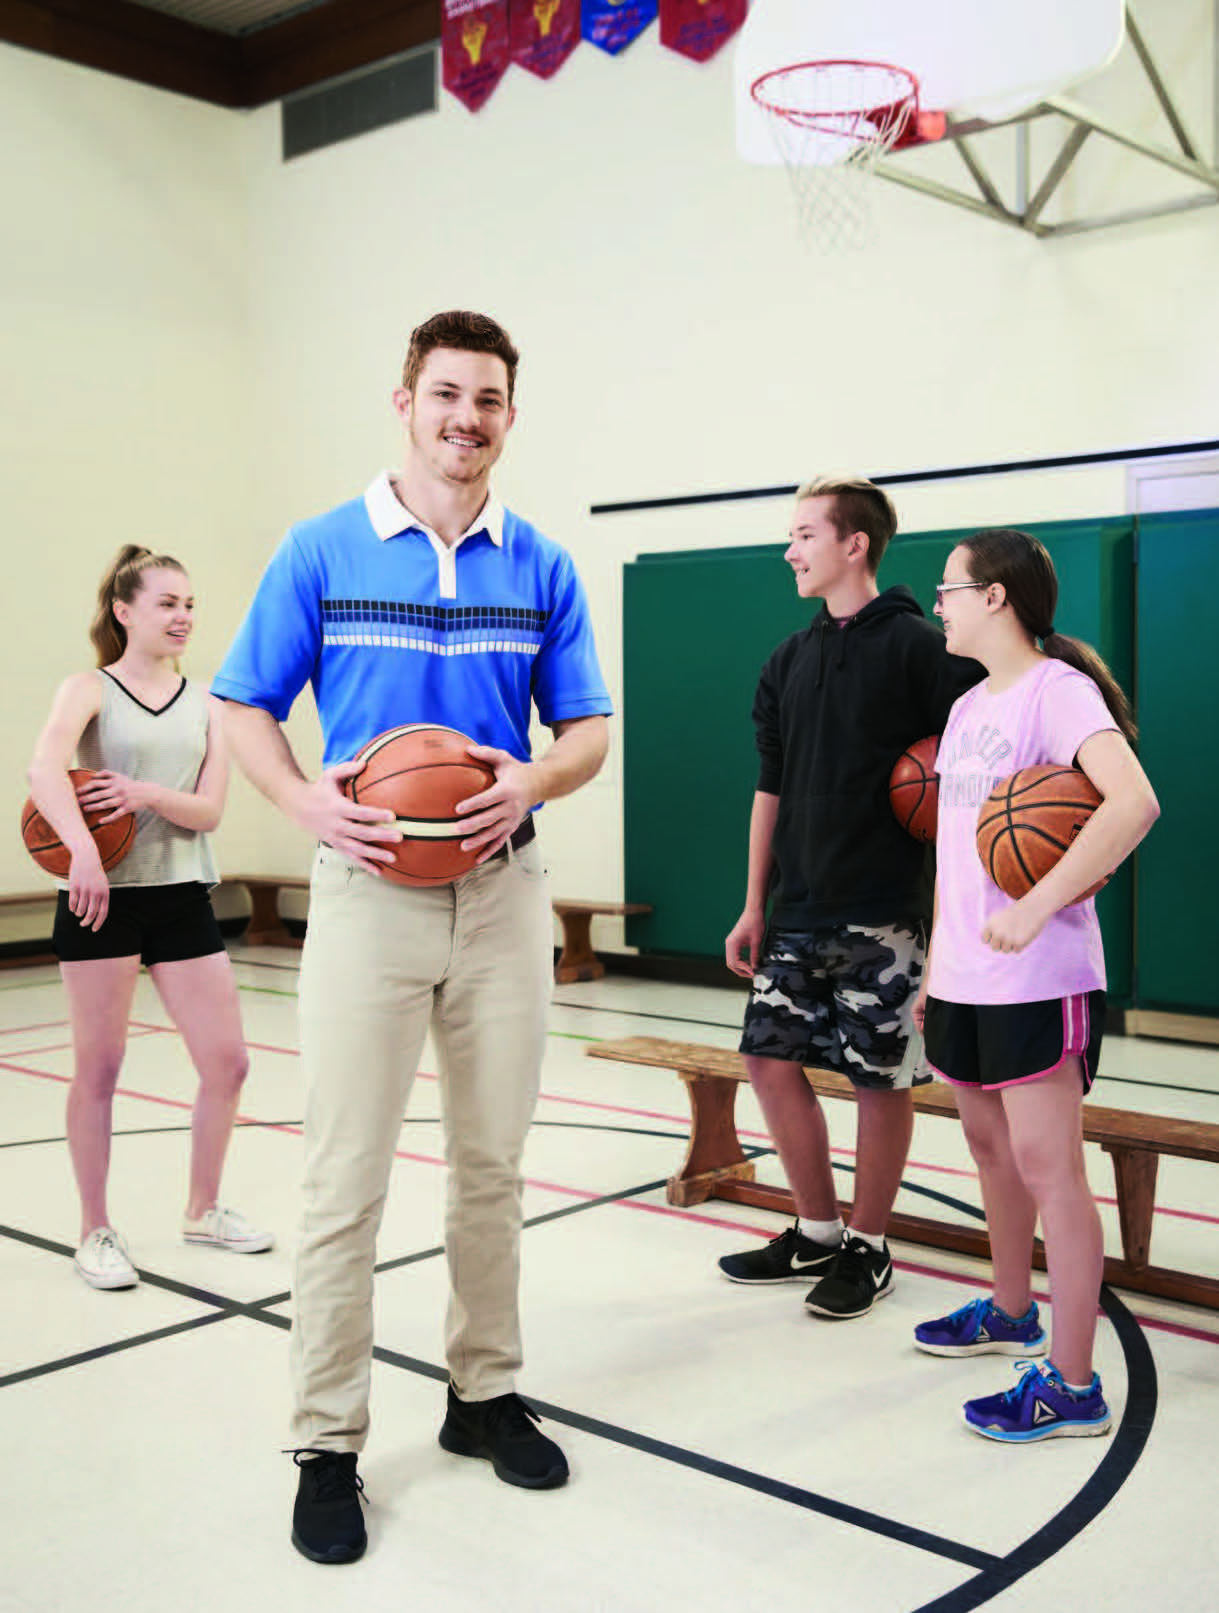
(494, 813)
(361, 833)
(746, 937)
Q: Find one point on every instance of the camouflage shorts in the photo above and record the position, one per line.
(841, 997)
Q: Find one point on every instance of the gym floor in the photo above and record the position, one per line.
(724, 1443)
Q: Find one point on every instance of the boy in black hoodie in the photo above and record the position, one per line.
(836, 969)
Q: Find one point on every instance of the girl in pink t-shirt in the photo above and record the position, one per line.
(1013, 1002)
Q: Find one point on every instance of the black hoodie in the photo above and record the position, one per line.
(834, 709)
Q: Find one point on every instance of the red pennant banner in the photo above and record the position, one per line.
(544, 33)
(474, 48)
(698, 28)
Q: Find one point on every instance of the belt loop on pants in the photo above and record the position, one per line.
(520, 836)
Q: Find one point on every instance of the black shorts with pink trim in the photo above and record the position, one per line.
(994, 1045)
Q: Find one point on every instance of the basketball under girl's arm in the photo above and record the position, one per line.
(76, 703)
(1127, 811)
(747, 934)
(318, 805)
(199, 810)
(579, 749)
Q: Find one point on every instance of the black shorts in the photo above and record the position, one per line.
(1002, 1044)
(156, 923)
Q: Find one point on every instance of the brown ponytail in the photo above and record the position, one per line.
(122, 581)
(1023, 567)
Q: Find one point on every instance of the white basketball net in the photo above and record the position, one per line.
(832, 122)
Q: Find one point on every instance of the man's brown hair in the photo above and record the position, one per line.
(859, 506)
(467, 333)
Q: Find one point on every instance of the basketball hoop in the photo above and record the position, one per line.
(832, 122)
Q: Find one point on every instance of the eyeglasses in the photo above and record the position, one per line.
(942, 588)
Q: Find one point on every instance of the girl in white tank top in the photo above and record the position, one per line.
(155, 744)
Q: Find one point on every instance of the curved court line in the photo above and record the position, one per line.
(995, 1574)
(1119, 1461)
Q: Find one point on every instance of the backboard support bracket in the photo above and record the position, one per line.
(1033, 195)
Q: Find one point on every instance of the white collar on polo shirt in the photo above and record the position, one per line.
(390, 517)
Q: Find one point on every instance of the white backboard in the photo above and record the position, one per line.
(973, 58)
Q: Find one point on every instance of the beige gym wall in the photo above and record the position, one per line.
(201, 341)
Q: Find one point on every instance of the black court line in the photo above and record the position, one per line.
(695, 1462)
(905, 478)
(996, 1573)
(1125, 1449)
(643, 1013)
(116, 1348)
(152, 1131)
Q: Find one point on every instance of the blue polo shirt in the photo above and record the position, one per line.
(392, 626)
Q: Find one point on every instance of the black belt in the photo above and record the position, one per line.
(520, 836)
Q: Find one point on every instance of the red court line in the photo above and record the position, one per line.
(747, 1134)
(44, 1025)
(629, 1204)
(61, 1047)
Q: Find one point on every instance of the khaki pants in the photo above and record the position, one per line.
(382, 962)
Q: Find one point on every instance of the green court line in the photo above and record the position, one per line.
(268, 991)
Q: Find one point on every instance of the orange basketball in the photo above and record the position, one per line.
(421, 772)
(1029, 820)
(113, 840)
(914, 788)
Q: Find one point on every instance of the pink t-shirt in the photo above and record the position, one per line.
(1044, 717)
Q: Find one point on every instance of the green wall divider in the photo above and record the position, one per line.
(1178, 583)
(698, 626)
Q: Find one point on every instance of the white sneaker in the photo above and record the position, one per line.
(103, 1262)
(227, 1229)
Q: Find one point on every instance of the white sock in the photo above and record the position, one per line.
(876, 1239)
(822, 1231)
(1077, 1388)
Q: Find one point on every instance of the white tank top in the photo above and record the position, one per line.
(159, 747)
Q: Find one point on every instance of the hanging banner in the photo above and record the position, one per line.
(544, 33)
(698, 28)
(474, 48)
(613, 24)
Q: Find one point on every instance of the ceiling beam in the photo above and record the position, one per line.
(248, 70)
(331, 39)
(131, 41)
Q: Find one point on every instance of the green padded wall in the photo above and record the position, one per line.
(697, 628)
(1178, 582)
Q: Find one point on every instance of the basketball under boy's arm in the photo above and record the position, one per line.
(747, 933)
(318, 805)
(76, 703)
(198, 810)
(580, 747)
(1127, 811)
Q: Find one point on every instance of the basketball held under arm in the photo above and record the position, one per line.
(1127, 811)
(77, 702)
(198, 810)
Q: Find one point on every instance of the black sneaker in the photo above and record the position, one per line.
(504, 1431)
(327, 1523)
(789, 1258)
(859, 1276)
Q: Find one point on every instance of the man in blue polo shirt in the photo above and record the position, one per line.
(423, 601)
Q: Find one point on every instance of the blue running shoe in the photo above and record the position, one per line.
(1039, 1407)
(981, 1328)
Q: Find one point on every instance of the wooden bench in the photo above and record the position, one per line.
(578, 961)
(715, 1165)
(266, 928)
